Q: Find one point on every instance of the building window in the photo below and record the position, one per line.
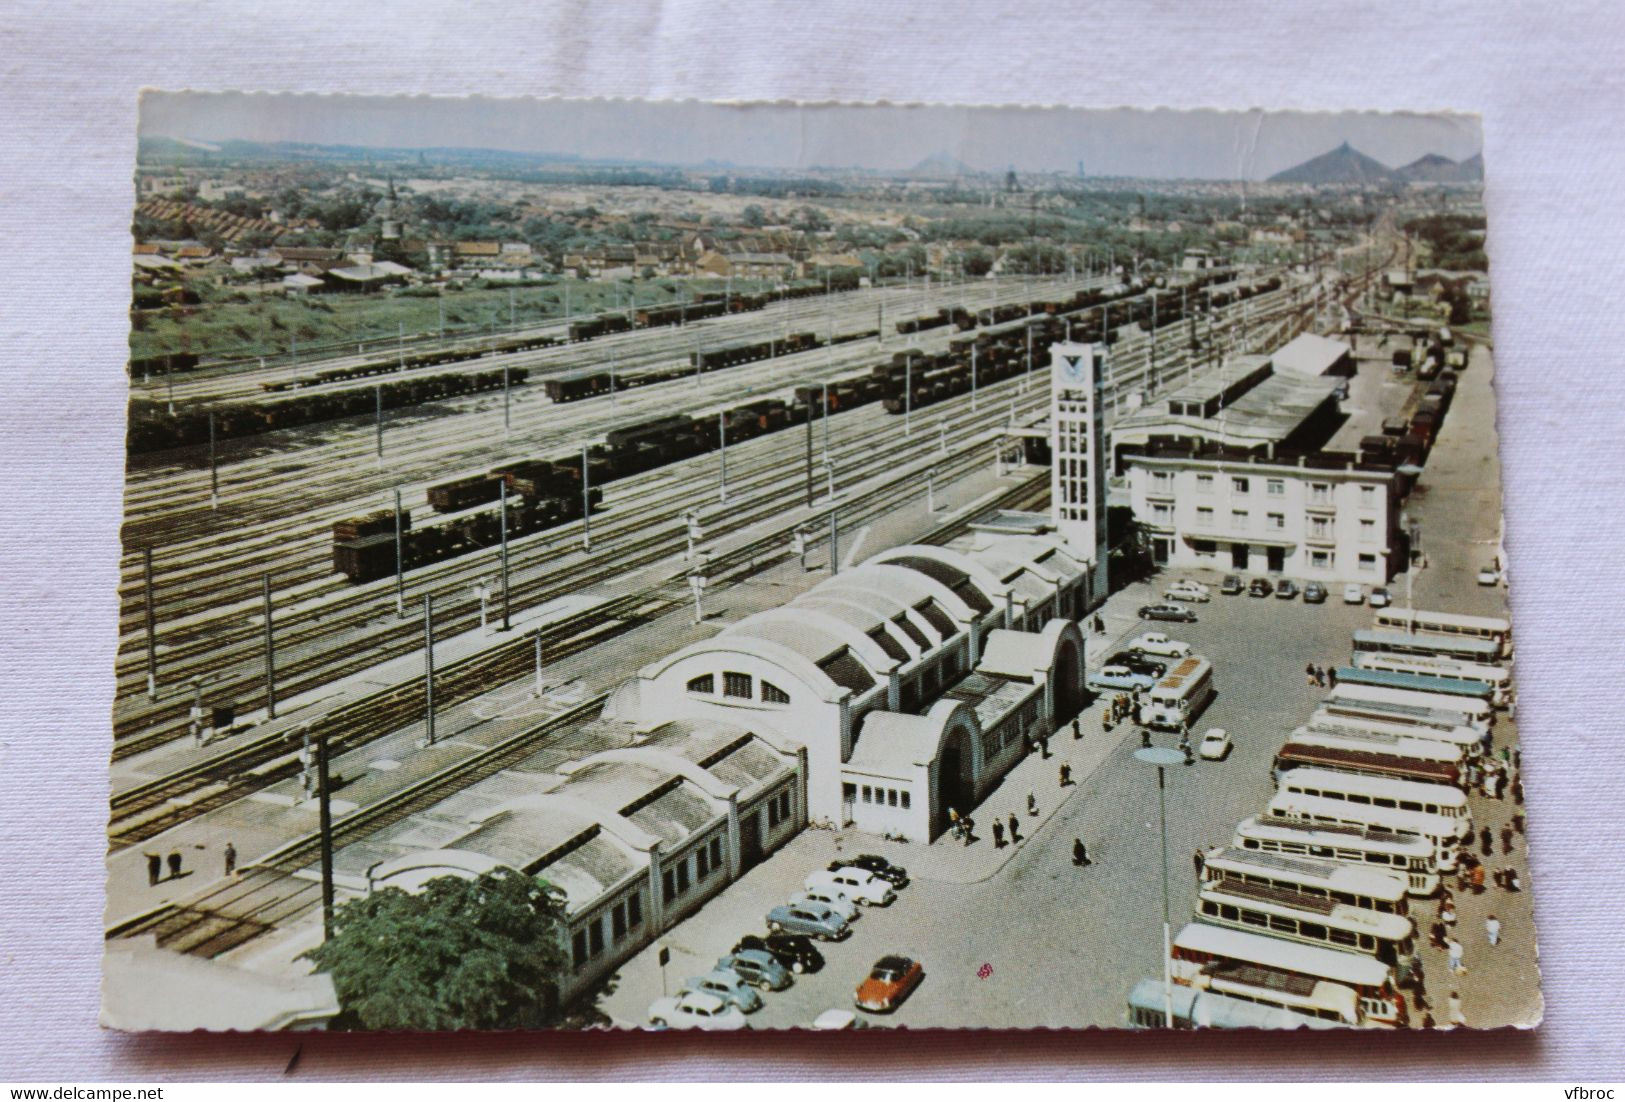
(868, 795)
(716, 853)
(1238, 520)
(1162, 481)
(595, 936)
(1368, 496)
(1368, 531)
(617, 920)
(1368, 562)
(1204, 484)
(702, 864)
(1321, 560)
(891, 797)
(904, 798)
(1162, 513)
(682, 876)
(634, 910)
(849, 792)
(706, 683)
(668, 885)
(773, 694)
(1275, 487)
(1239, 485)
(1320, 493)
(778, 808)
(578, 949)
(1205, 547)
(1320, 526)
(736, 684)
(1277, 520)
(1204, 516)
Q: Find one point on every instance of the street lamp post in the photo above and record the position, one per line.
(1162, 757)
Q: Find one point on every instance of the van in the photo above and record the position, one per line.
(858, 885)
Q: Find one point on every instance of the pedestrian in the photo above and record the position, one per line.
(1331, 677)
(1066, 774)
(1513, 883)
(1106, 722)
(1037, 747)
(1448, 915)
(155, 868)
(174, 864)
(1506, 755)
(1458, 966)
(1190, 759)
(1506, 839)
(1418, 978)
(1080, 853)
(1015, 833)
(1032, 804)
(1517, 791)
(1517, 756)
(1485, 842)
(231, 859)
(1427, 1020)
(1517, 821)
(1077, 731)
(1199, 861)
(1477, 876)
(1137, 713)
(1100, 625)
(1145, 738)
(1492, 930)
(968, 829)
(1456, 1016)
(1436, 934)
(1309, 672)
(998, 834)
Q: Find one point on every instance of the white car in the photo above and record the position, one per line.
(839, 902)
(1489, 575)
(1353, 594)
(857, 884)
(695, 1010)
(1188, 591)
(1381, 598)
(1155, 642)
(839, 1019)
(1215, 744)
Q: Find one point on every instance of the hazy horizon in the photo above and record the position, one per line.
(1162, 143)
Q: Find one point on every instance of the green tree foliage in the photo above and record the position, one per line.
(753, 215)
(460, 954)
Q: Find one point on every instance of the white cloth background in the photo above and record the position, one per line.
(1545, 76)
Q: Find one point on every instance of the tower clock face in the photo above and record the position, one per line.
(1074, 368)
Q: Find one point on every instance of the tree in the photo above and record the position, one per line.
(753, 215)
(460, 954)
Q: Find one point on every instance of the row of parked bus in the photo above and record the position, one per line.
(1303, 920)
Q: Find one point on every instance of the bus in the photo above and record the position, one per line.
(1464, 687)
(1483, 652)
(1349, 716)
(1429, 799)
(1181, 695)
(1408, 855)
(1312, 920)
(1447, 669)
(1446, 835)
(1453, 711)
(1329, 984)
(1340, 756)
(1370, 889)
(1149, 1005)
(1405, 743)
(1418, 622)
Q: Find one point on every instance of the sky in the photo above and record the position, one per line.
(1249, 145)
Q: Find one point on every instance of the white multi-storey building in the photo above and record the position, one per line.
(1316, 518)
(1078, 467)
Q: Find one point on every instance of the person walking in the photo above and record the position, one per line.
(1331, 677)
(1506, 839)
(174, 864)
(1145, 738)
(1517, 821)
(1136, 712)
(1492, 930)
(1066, 774)
(1517, 791)
(998, 834)
(1447, 915)
(1032, 804)
(1477, 876)
(155, 868)
(1015, 832)
(1199, 861)
(1436, 935)
(1458, 965)
(1077, 731)
(231, 859)
(1080, 853)
(1486, 843)
(1456, 1016)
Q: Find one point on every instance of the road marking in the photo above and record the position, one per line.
(852, 553)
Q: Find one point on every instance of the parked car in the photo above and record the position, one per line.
(859, 885)
(1314, 593)
(895, 875)
(1168, 611)
(1188, 591)
(889, 982)
(1380, 597)
(812, 919)
(839, 1019)
(1354, 594)
(695, 1010)
(1215, 744)
(1260, 587)
(1120, 677)
(1489, 575)
(729, 986)
(759, 967)
(1231, 585)
(839, 902)
(1137, 662)
(795, 951)
(1155, 642)
(1286, 589)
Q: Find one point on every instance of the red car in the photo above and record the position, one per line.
(890, 982)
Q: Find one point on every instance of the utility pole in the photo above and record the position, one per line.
(325, 805)
(825, 416)
(908, 393)
(834, 540)
(214, 470)
(270, 654)
(152, 625)
(539, 685)
(722, 436)
(507, 418)
(503, 498)
(809, 454)
(378, 406)
(400, 562)
(428, 669)
(586, 503)
(973, 377)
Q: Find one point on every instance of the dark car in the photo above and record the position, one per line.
(1136, 662)
(1167, 612)
(895, 875)
(1286, 589)
(1231, 585)
(795, 951)
(1314, 593)
(1260, 587)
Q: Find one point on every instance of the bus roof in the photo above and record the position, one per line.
(1330, 716)
(1263, 899)
(1424, 707)
(1214, 1010)
(1293, 804)
(1378, 883)
(1378, 742)
(1396, 615)
(1442, 794)
(1413, 682)
(1424, 663)
(1288, 956)
(1186, 669)
(1460, 644)
(1422, 769)
(1265, 825)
